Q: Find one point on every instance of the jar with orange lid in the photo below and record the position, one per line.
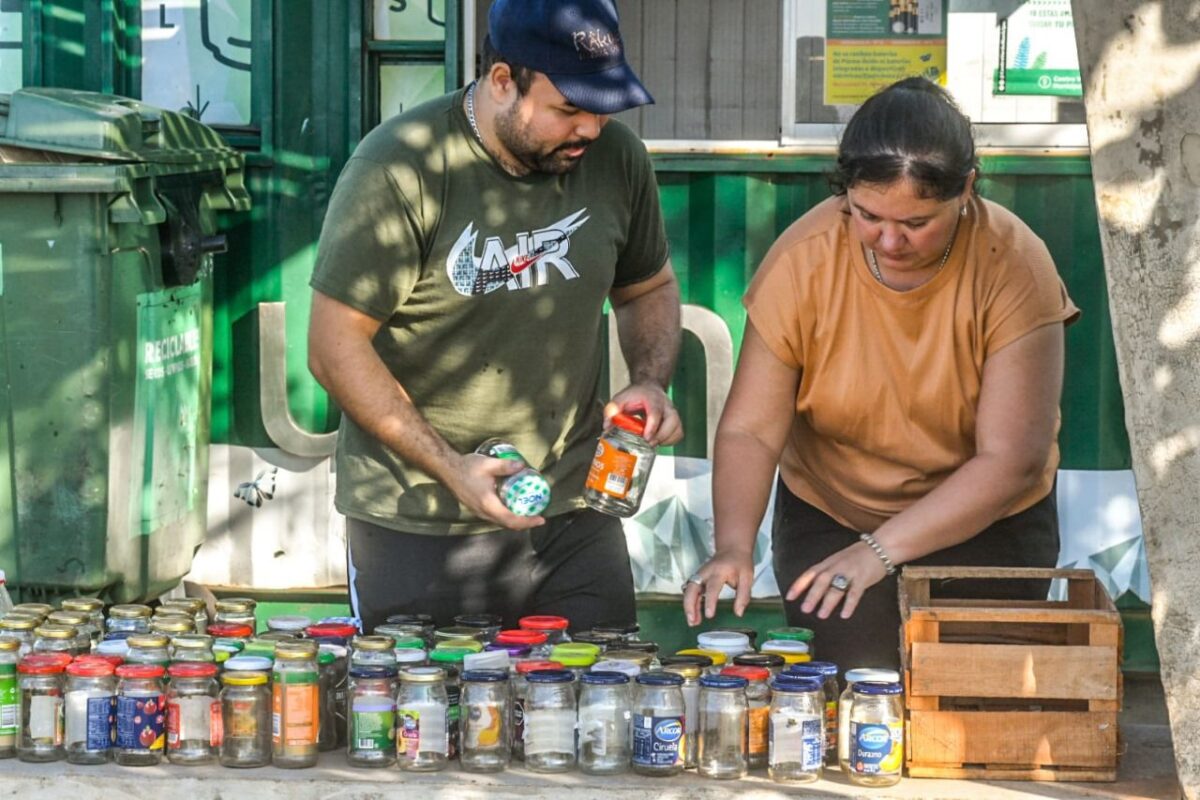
(620, 467)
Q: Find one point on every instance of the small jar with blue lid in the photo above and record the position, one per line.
(485, 724)
(827, 672)
(550, 720)
(876, 735)
(372, 716)
(796, 738)
(723, 718)
(604, 735)
(658, 724)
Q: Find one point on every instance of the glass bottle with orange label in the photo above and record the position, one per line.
(294, 705)
(758, 700)
(620, 468)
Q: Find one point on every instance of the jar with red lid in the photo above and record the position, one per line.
(620, 467)
(141, 716)
(229, 630)
(40, 708)
(521, 638)
(193, 713)
(758, 701)
(555, 629)
(89, 704)
(331, 633)
(520, 690)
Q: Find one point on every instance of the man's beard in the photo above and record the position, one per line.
(528, 154)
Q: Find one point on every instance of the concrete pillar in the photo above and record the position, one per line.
(1140, 61)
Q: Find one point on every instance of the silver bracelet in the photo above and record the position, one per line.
(874, 545)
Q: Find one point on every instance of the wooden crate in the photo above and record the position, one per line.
(1010, 690)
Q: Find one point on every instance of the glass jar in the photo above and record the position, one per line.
(488, 659)
(193, 713)
(372, 735)
(793, 634)
(451, 634)
(520, 693)
(536, 641)
(626, 668)
(603, 723)
(550, 711)
(555, 628)
(150, 648)
(141, 715)
(130, 618)
(691, 674)
(793, 651)
(575, 658)
(417, 624)
(93, 607)
(194, 607)
(604, 641)
(488, 624)
(41, 610)
(731, 643)
(422, 711)
(876, 734)
(20, 629)
(644, 661)
(486, 722)
(332, 677)
(526, 492)
(827, 672)
(758, 698)
(89, 708)
(51, 638)
(624, 631)
(620, 467)
(292, 624)
(717, 659)
(295, 706)
(797, 735)
(772, 662)
(9, 702)
(331, 633)
(846, 699)
(659, 738)
(113, 648)
(231, 631)
(237, 611)
(172, 625)
(372, 651)
(263, 648)
(87, 631)
(721, 752)
(410, 658)
(192, 647)
(39, 715)
(245, 719)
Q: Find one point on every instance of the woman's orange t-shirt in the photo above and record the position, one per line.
(890, 381)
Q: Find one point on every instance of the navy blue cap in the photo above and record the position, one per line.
(659, 679)
(803, 671)
(788, 682)
(576, 44)
(723, 682)
(370, 672)
(550, 676)
(484, 676)
(604, 678)
(876, 688)
(824, 667)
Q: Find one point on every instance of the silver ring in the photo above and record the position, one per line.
(840, 582)
(696, 579)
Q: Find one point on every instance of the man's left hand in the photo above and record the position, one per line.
(663, 425)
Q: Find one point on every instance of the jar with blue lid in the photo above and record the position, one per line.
(372, 716)
(550, 720)
(485, 724)
(846, 700)
(658, 724)
(796, 735)
(721, 753)
(827, 672)
(876, 735)
(604, 735)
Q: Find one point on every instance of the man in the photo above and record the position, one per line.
(467, 253)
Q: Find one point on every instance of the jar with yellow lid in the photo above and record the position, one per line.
(691, 674)
(372, 651)
(172, 625)
(20, 628)
(643, 660)
(295, 705)
(129, 618)
(39, 609)
(93, 607)
(422, 708)
(470, 645)
(82, 623)
(192, 647)
(237, 610)
(149, 648)
(194, 607)
(246, 719)
(718, 659)
(51, 638)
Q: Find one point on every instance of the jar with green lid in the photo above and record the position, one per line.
(550, 719)
(194, 607)
(141, 715)
(417, 624)
(691, 674)
(790, 633)
(192, 647)
(40, 708)
(88, 710)
(721, 746)
(193, 714)
(846, 699)
(9, 703)
(876, 736)
(88, 633)
(51, 638)
(620, 467)
(422, 712)
(526, 492)
(372, 651)
(129, 618)
(372, 734)
(150, 648)
(246, 719)
(797, 735)
(485, 722)
(451, 662)
(258, 646)
(20, 629)
(296, 707)
(658, 724)
(576, 657)
(225, 649)
(237, 611)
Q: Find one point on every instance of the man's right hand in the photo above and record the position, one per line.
(474, 484)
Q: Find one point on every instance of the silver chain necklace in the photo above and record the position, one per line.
(471, 112)
(949, 246)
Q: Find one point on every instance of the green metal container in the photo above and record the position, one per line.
(106, 232)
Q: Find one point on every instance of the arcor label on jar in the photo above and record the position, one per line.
(657, 741)
(549, 731)
(612, 471)
(877, 749)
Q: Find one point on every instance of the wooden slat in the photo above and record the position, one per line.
(1001, 573)
(726, 66)
(984, 774)
(693, 22)
(1032, 738)
(1006, 633)
(1021, 671)
(940, 602)
(1013, 615)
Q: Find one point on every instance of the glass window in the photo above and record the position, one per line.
(410, 20)
(196, 56)
(11, 68)
(402, 86)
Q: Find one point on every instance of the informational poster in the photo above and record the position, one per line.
(1037, 51)
(410, 20)
(872, 43)
(196, 58)
(10, 46)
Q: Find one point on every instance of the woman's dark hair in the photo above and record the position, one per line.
(489, 56)
(912, 129)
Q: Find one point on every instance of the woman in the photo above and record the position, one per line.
(901, 366)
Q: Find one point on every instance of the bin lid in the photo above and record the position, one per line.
(104, 127)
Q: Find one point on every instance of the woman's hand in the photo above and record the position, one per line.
(726, 568)
(860, 567)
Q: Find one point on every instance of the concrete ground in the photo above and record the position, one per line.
(1147, 772)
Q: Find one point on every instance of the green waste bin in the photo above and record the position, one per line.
(107, 226)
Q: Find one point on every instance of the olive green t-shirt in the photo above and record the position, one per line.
(491, 290)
